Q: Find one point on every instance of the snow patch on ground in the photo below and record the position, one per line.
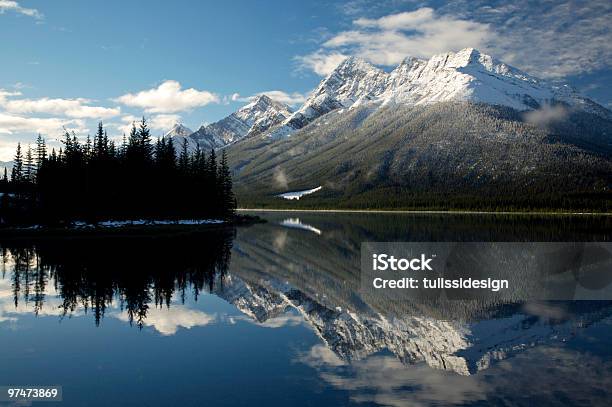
(146, 222)
(298, 194)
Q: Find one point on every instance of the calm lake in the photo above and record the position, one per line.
(272, 314)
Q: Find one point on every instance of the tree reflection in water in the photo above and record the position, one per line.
(135, 271)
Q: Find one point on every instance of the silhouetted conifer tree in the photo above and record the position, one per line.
(95, 180)
(17, 172)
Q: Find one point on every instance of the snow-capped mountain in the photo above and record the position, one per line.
(467, 75)
(354, 81)
(254, 118)
(179, 135)
(178, 130)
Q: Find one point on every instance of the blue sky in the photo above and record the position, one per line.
(71, 63)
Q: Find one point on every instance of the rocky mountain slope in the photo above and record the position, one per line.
(254, 118)
(459, 124)
(402, 156)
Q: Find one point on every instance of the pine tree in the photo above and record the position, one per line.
(17, 172)
(184, 158)
(212, 167)
(29, 168)
(226, 199)
(88, 147)
(41, 152)
(144, 136)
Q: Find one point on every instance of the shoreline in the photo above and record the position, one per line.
(428, 212)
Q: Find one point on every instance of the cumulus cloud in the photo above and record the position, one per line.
(389, 39)
(168, 97)
(74, 108)
(164, 121)
(13, 6)
(292, 99)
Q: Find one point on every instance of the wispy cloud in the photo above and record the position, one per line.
(168, 98)
(550, 39)
(13, 6)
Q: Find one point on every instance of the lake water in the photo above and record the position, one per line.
(272, 314)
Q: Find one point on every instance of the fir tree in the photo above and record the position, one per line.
(29, 169)
(17, 172)
(224, 179)
(183, 163)
(41, 151)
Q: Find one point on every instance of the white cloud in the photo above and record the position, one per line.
(164, 121)
(125, 126)
(9, 5)
(10, 123)
(548, 39)
(167, 321)
(292, 99)
(389, 39)
(321, 62)
(74, 108)
(169, 98)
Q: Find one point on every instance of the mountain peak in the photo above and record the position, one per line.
(260, 101)
(353, 64)
(178, 130)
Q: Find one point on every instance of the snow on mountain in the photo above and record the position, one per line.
(353, 82)
(179, 135)
(466, 75)
(178, 130)
(254, 118)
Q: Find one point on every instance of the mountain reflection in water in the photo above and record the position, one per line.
(281, 274)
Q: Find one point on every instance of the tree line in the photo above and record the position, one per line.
(98, 179)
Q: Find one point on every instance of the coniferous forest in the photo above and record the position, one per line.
(97, 179)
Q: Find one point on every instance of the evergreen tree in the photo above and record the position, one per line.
(17, 172)
(183, 163)
(224, 178)
(93, 181)
(41, 151)
(29, 167)
(144, 136)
